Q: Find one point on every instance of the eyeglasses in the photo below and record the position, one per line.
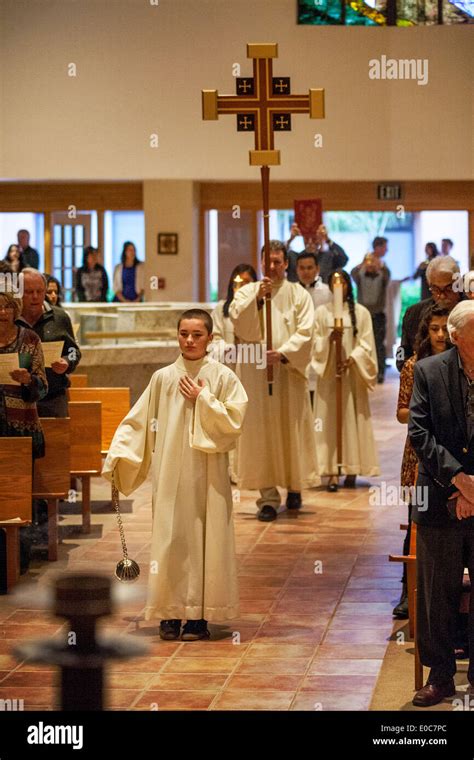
(441, 291)
(6, 306)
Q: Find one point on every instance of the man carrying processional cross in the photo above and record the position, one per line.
(277, 446)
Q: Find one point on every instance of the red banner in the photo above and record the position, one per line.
(308, 216)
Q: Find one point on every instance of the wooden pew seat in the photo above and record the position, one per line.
(86, 459)
(16, 475)
(52, 474)
(78, 381)
(115, 405)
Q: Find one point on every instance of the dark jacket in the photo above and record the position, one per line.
(438, 433)
(421, 272)
(410, 325)
(55, 324)
(30, 257)
(334, 258)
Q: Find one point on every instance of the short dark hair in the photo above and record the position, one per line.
(447, 240)
(198, 314)
(307, 255)
(276, 245)
(378, 241)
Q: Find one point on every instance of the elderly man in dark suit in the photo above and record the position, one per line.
(441, 429)
(445, 284)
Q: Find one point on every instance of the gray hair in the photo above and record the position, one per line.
(441, 264)
(31, 271)
(459, 316)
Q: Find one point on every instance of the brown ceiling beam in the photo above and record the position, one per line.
(59, 196)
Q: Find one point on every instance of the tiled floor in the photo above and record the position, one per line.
(316, 598)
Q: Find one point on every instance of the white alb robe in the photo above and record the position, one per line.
(186, 446)
(320, 293)
(223, 327)
(277, 445)
(359, 453)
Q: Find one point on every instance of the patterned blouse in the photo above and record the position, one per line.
(18, 413)
(410, 460)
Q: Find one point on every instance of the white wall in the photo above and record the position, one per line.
(141, 67)
(171, 207)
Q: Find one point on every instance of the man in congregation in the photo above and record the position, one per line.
(50, 323)
(29, 255)
(277, 445)
(446, 246)
(441, 430)
(443, 278)
(372, 277)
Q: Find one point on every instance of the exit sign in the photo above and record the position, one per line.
(389, 192)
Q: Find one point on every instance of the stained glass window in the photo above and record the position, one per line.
(385, 12)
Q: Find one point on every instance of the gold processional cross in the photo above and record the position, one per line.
(263, 105)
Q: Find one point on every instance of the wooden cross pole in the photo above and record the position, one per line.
(263, 105)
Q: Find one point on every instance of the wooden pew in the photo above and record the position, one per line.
(115, 405)
(52, 474)
(86, 459)
(16, 477)
(78, 381)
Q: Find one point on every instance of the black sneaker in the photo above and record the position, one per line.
(170, 629)
(293, 500)
(194, 630)
(267, 513)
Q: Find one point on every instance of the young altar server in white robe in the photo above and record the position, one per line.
(277, 446)
(359, 454)
(182, 427)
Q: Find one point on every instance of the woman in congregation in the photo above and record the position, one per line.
(14, 259)
(54, 292)
(92, 282)
(223, 327)
(18, 412)
(129, 276)
(432, 338)
(359, 376)
(431, 251)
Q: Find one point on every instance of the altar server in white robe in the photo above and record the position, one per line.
(359, 453)
(277, 446)
(307, 270)
(182, 427)
(223, 345)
